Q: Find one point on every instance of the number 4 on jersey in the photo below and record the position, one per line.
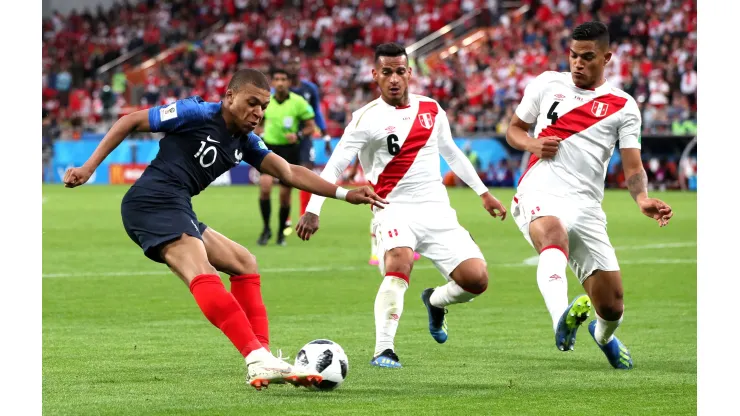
(552, 115)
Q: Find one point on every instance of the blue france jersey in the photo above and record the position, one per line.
(197, 147)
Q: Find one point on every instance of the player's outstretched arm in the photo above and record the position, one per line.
(637, 184)
(304, 179)
(137, 121)
(349, 145)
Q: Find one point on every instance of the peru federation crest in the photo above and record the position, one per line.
(426, 120)
(599, 109)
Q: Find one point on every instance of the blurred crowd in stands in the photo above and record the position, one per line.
(653, 44)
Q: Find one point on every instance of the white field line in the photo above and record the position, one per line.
(268, 271)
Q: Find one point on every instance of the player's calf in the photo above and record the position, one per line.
(550, 239)
(607, 295)
(605, 289)
(389, 302)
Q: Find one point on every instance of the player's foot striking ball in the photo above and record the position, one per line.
(326, 358)
(202, 141)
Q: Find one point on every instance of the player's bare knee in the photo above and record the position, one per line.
(475, 280)
(472, 276)
(245, 263)
(399, 260)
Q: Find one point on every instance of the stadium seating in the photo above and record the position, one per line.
(654, 59)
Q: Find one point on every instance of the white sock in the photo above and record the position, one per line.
(388, 310)
(449, 294)
(552, 282)
(604, 331)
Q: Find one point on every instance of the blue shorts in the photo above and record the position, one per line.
(152, 219)
(307, 154)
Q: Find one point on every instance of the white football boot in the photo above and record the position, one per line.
(263, 369)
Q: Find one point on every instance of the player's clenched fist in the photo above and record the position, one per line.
(545, 147)
(76, 177)
(493, 206)
(365, 195)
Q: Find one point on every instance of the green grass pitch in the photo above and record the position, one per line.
(123, 336)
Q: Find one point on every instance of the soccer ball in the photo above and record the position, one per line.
(328, 359)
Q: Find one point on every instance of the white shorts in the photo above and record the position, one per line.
(589, 246)
(431, 230)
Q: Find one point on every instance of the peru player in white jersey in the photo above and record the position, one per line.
(399, 138)
(579, 118)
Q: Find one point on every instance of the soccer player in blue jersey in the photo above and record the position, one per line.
(310, 92)
(202, 141)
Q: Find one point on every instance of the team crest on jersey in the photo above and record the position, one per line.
(599, 109)
(238, 156)
(426, 120)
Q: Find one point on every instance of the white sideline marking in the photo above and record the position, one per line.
(532, 261)
(338, 268)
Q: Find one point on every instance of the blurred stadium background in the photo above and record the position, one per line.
(104, 58)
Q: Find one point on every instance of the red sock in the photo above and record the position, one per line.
(246, 290)
(224, 312)
(305, 197)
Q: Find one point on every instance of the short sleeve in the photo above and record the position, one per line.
(529, 108)
(175, 116)
(630, 129)
(305, 111)
(254, 150)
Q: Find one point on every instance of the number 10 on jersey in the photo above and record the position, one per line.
(204, 155)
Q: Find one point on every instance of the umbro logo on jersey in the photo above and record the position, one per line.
(390, 129)
(208, 139)
(559, 97)
(426, 120)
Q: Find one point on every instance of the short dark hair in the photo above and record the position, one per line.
(595, 31)
(391, 50)
(248, 76)
(275, 71)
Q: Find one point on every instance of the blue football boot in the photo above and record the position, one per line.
(617, 354)
(437, 319)
(576, 313)
(386, 359)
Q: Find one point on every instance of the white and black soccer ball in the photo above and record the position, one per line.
(326, 358)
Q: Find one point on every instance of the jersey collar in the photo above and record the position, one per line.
(601, 90)
(411, 102)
